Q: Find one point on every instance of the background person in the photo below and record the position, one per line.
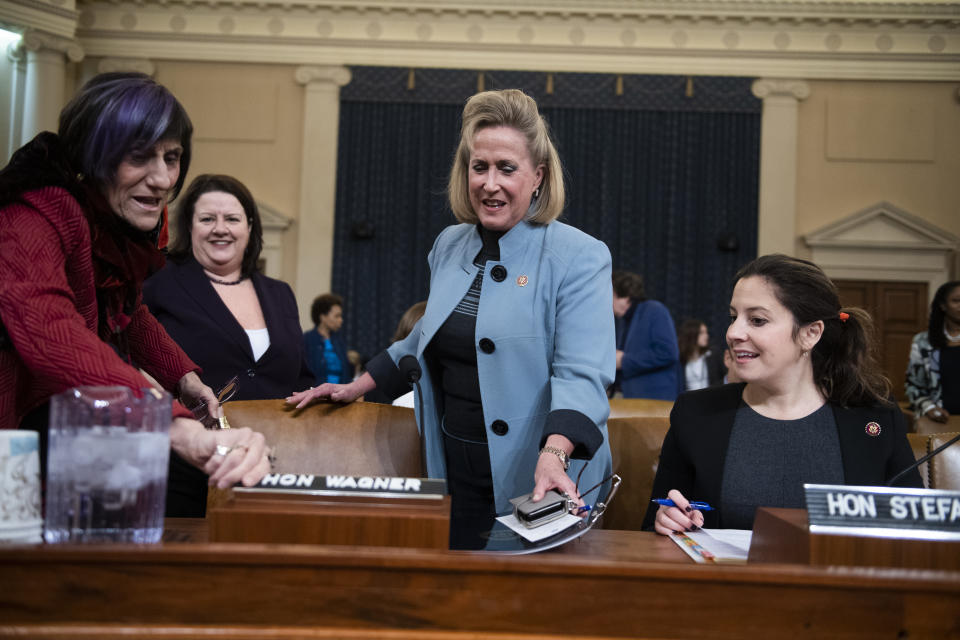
(730, 373)
(408, 321)
(516, 343)
(933, 374)
(227, 316)
(82, 217)
(700, 368)
(814, 407)
(326, 350)
(648, 358)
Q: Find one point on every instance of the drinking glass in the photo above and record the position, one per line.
(107, 465)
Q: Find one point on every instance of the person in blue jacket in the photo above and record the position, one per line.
(325, 348)
(648, 358)
(516, 344)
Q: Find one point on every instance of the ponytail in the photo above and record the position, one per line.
(845, 363)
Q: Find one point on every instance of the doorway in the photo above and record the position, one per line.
(899, 311)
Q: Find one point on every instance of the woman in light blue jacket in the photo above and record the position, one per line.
(517, 341)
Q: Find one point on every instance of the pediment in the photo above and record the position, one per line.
(883, 225)
(271, 218)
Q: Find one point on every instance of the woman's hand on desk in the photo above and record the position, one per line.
(679, 518)
(938, 414)
(228, 456)
(335, 392)
(550, 473)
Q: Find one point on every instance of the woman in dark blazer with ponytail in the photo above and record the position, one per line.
(812, 407)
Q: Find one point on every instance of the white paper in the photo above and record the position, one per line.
(737, 538)
(715, 545)
(543, 531)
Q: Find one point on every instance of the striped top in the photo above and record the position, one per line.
(452, 354)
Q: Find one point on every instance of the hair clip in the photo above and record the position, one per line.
(843, 316)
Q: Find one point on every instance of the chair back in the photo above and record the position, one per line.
(918, 442)
(944, 468)
(631, 407)
(635, 444)
(360, 438)
(357, 439)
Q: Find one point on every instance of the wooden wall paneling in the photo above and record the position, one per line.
(613, 584)
(899, 311)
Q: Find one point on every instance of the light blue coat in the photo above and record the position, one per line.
(553, 337)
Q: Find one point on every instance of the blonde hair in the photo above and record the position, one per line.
(408, 320)
(515, 109)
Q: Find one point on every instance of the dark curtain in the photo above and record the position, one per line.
(671, 193)
(391, 204)
(663, 169)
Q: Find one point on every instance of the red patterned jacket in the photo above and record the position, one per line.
(48, 306)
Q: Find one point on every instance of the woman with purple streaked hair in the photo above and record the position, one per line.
(82, 221)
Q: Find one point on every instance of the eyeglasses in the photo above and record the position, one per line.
(596, 510)
(225, 393)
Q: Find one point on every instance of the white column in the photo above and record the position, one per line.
(777, 223)
(318, 179)
(44, 86)
(11, 111)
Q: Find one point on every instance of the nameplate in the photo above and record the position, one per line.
(338, 485)
(925, 514)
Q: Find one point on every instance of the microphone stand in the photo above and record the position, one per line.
(410, 367)
(423, 437)
(923, 459)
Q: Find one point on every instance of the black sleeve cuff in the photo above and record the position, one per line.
(575, 427)
(385, 373)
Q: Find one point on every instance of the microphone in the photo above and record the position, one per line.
(410, 368)
(923, 459)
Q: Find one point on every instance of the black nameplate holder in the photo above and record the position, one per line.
(923, 514)
(305, 508)
(340, 485)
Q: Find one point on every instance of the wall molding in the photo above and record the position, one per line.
(275, 225)
(885, 242)
(814, 39)
(141, 65)
(34, 40)
(57, 17)
(337, 75)
(772, 88)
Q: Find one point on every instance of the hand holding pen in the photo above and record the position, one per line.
(682, 516)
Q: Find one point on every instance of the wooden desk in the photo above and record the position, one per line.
(609, 584)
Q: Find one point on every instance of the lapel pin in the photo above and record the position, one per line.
(522, 281)
(872, 429)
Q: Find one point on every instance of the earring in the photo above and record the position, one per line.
(536, 192)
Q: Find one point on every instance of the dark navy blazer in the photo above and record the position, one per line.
(694, 450)
(651, 357)
(184, 301)
(186, 304)
(313, 343)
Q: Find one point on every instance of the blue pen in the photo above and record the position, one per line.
(667, 502)
(583, 509)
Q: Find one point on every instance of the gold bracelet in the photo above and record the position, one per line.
(560, 453)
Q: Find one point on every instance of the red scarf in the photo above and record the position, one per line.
(123, 257)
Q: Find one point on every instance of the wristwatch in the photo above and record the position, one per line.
(560, 453)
